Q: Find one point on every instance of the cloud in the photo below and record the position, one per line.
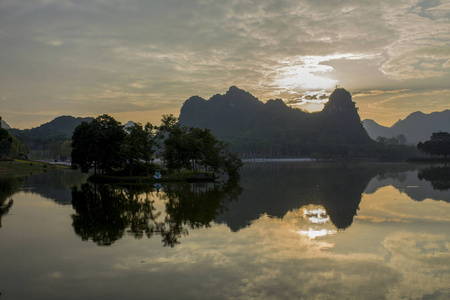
(176, 49)
(267, 260)
(423, 34)
(356, 94)
(419, 257)
(388, 106)
(383, 209)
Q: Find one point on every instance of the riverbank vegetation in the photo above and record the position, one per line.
(22, 167)
(108, 148)
(10, 146)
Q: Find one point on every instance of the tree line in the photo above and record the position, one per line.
(105, 146)
(437, 146)
(10, 146)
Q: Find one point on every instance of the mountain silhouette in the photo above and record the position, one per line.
(62, 126)
(275, 129)
(417, 127)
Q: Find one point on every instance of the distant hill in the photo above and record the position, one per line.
(128, 124)
(61, 126)
(46, 141)
(417, 127)
(275, 129)
(5, 125)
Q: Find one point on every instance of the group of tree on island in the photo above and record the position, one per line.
(438, 145)
(107, 147)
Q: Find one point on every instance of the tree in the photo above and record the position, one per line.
(438, 145)
(66, 149)
(104, 145)
(193, 148)
(98, 145)
(176, 150)
(10, 146)
(83, 147)
(167, 122)
(5, 140)
(138, 146)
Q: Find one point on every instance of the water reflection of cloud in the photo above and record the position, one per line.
(269, 260)
(423, 260)
(389, 204)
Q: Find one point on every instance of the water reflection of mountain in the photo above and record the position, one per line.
(56, 185)
(426, 183)
(276, 188)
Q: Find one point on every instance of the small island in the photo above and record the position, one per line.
(147, 153)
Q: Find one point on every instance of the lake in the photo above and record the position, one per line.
(285, 230)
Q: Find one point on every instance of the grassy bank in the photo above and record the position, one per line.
(26, 167)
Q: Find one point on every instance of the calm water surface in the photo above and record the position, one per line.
(284, 231)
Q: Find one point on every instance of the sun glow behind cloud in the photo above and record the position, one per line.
(309, 80)
(304, 73)
(310, 73)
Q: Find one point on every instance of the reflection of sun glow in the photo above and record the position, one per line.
(313, 233)
(316, 216)
(317, 219)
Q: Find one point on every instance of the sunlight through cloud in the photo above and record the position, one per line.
(309, 72)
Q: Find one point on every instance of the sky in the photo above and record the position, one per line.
(139, 59)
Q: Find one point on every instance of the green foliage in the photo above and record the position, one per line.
(138, 147)
(176, 150)
(105, 145)
(10, 146)
(98, 145)
(194, 148)
(66, 149)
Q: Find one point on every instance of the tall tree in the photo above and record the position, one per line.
(98, 144)
(138, 146)
(176, 150)
(10, 146)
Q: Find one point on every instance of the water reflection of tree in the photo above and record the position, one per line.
(8, 186)
(195, 206)
(105, 214)
(438, 176)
